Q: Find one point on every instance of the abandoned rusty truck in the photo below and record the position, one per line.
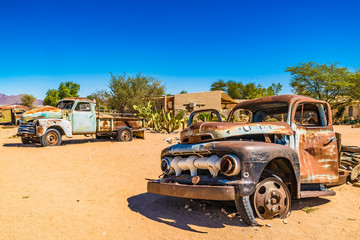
(268, 151)
(75, 116)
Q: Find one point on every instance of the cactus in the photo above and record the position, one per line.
(160, 120)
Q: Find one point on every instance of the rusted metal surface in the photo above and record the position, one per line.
(6, 107)
(44, 124)
(318, 155)
(288, 99)
(272, 198)
(12, 113)
(254, 157)
(220, 193)
(211, 111)
(42, 112)
(78, 99)
(113, 124)
(310, 194)
(220, 130)
(316, 146)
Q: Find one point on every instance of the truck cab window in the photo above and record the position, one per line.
(242, 116)
(65, 105)
(310, 115)
(83, 106)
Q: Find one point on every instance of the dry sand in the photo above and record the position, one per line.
(88, 189)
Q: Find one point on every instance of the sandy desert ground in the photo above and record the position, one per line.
(89, 189)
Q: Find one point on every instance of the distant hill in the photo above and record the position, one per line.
(15, 99)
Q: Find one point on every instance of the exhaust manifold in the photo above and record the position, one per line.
(228, 165)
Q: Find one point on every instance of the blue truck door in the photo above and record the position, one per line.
(84, 118)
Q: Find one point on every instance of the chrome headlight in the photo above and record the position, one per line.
(166, 166)
(230, 165)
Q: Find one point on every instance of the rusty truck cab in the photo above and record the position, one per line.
(313, 136)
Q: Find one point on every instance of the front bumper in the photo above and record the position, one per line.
(207, 192)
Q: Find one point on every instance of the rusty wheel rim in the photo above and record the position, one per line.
(125, 135)
(52, 138)
(271, 199)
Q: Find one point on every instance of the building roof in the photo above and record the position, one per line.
(226, 99)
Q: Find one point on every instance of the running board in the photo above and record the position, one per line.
(321, 193)
(315, 190)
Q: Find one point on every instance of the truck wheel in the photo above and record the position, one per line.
(52, 137)
(245, 210)
(124, 134)
(25, 140)
(270, 199)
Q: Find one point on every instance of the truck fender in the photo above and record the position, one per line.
(255, 156)
(63, 125)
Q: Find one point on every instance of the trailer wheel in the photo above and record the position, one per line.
(124, 134)
(270, 199)
(52, 137)
(25, 140)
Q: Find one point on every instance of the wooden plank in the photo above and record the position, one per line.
(352, 149)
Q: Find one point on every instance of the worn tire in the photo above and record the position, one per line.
(124, 134)
(25, 140)
(52, 137)
(99, 136)
(245, 210)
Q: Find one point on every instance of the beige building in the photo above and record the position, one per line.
(353, 110)
(196, 101)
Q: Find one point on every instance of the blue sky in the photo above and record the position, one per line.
(186, 44)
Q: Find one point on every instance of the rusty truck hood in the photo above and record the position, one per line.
(46, 112)
(208, 131)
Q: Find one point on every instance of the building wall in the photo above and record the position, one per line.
(203, 100)
(355, 111)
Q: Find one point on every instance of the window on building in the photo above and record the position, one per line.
(351, 111)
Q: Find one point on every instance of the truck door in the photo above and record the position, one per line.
(315, 142)
(83, 118)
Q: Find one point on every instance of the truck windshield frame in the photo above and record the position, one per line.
(67, 105)
(262, 112)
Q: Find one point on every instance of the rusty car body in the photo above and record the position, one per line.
(270, 150)
(75, 116)
(12, 113)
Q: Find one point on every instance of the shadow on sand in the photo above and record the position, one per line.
(64, 142)
(174, 212)
(210, 214)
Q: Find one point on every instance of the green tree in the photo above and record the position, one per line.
(218, 85)
(183, 92)
(238, 90)
(101, 97)
(52, 97)
(27, 100)
(67, 89)
(126, 90)
(328, 82)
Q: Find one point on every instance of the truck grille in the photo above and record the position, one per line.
(26, 128)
